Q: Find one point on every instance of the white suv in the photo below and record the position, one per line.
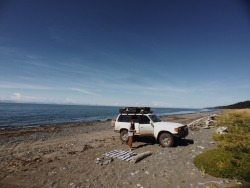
(148, 124)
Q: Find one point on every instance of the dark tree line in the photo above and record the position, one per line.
(245, 104)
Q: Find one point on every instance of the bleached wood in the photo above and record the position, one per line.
(140, 156)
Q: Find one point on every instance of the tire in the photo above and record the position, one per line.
(166, 140)
(124, 135)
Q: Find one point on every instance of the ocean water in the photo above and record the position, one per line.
(23, 115)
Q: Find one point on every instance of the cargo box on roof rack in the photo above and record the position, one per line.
(135, 110)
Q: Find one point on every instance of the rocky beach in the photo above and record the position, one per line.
(64, 155)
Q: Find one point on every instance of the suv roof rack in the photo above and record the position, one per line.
(135, 110)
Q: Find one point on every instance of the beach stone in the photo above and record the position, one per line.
(201, 147)
(103, 160)
(52, 156)
(221, 130)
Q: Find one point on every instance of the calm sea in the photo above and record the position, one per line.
(23, 115)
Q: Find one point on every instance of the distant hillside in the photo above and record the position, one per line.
(245, 104)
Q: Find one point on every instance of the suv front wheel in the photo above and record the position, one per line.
(124, 135)
(166, 140)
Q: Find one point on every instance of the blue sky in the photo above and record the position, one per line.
(128, 53)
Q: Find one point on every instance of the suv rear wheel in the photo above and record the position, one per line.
(166, 140)
(124, 135)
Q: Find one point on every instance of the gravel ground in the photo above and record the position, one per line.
(63, 156)
(13, 136)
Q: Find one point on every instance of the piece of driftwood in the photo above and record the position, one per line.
(140, 156)
(222, 130)
(194, 126)
(196, 122)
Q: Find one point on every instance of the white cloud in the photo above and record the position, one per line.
(70, 101)
(13, 85)
(23, 98)
(32, 56)
(7, 51)
(161, 104)
(16, 96)
(83, 91)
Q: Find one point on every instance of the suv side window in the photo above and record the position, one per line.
(144, 120)
(124, 118)
(127, 118)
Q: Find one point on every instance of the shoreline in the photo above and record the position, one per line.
(33, 126)
(50, 131)
(64, 157)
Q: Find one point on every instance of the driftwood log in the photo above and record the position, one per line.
(206, 120)
(140, 156)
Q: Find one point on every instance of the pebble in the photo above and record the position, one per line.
(137, 171)
(201, 147)
(66, 131)
(103, 160)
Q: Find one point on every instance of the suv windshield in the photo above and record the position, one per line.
(154, 118)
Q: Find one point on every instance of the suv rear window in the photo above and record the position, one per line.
(144, 120)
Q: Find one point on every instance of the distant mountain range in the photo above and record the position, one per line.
(239, 105)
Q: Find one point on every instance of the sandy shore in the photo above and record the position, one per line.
(63, 156)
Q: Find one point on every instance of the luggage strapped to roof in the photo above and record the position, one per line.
(135, 110)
